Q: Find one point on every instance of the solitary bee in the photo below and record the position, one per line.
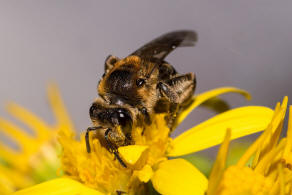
(134, 88)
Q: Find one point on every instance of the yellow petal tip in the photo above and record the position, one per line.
(131, 153)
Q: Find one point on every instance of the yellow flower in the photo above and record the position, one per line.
(270, 169)
(148, 158)
(36, 159)
(151, 158)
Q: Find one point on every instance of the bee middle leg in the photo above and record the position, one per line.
(112, 147)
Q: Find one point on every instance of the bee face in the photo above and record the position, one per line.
(111, 116)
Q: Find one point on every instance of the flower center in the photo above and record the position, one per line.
(243, 180)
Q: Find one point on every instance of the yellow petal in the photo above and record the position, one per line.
(60, 186)
(131, 154)
(40, 128)
(281, 179)
(6, 185)
(270, 138)
(268, 159)
(178, 176)
(287, 157)
(242, 121)
(17, 178)
(219, 165)
(145, 174)
(15, 133)
(201, 98)
(11, 156)
(63, 119)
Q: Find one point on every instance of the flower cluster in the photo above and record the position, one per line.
(35, 159)
(154, 160)
(148, 160)
(270, 169)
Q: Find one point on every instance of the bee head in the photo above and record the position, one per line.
(111, 116)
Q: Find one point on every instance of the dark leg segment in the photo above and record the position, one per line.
(87, 136)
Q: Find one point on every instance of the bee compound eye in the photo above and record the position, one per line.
(92, 109)
(140, 82)
(124, 118)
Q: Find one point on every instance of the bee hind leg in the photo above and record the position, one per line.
(87, 136)
(112, 148)
(179, 91)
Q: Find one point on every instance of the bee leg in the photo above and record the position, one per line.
(168, 92)
(87, 136)
(184, 86)
(173, 113)
(179, 91)
(144, 111)
(112, 148)
(110, 62)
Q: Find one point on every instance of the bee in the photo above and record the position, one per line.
(135, 88)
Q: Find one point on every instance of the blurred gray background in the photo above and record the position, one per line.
(246, 44)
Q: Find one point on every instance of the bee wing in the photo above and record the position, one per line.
(160, 47)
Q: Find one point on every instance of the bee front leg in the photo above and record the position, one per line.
(113, 148)
(87, 136)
